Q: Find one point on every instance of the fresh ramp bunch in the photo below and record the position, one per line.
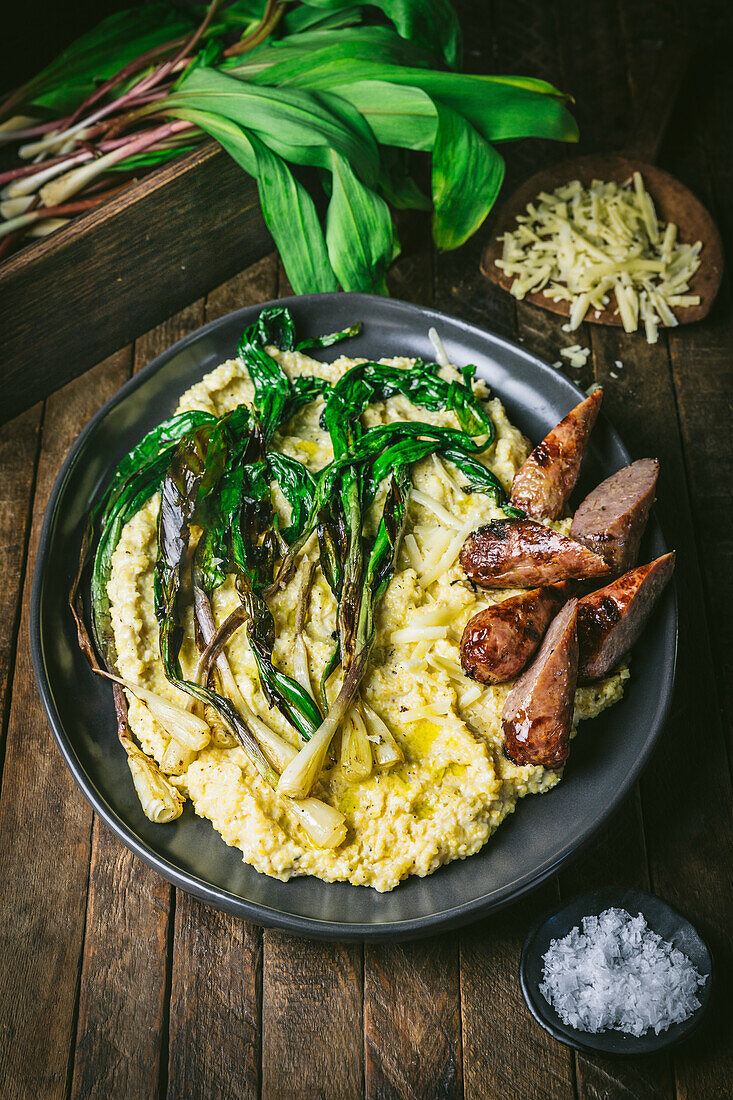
(355, 94)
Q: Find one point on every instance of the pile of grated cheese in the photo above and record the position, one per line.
(616, 973)
(584, 244)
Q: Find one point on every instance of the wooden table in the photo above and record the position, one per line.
(113, 984)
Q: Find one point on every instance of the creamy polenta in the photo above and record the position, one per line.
(455, 786)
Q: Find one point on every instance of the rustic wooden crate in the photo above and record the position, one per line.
(74, 297)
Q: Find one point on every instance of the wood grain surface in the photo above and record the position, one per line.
(121, 268)
(114, 984)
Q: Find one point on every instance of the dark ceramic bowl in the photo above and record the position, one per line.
(531, 844)
(662, 919)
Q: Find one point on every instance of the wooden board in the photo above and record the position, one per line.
(71, 298)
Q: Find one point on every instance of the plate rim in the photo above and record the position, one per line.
(257, 912)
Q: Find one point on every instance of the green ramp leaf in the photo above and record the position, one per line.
(500, 110)
(277, 62)
(434, 26)
(98, 55)
(467, 176)
(397, 114)
(302, 126)
(288, 209)
(359, 232)
(396, 185)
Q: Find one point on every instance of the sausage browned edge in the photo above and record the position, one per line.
(611, 520)
(538, 712)
(611, 619)
(499, 641)
(547, 478)
(519, 553)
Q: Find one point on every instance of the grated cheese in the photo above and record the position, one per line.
(418, 655)
(584, 244)
(446, 560)
(441, 357)
(577, 355)
(453, 669)
(408, 634)
(437, 615)
(438, 543)
(468, 698)
(413, 552)
(435, 507)
(439, 709)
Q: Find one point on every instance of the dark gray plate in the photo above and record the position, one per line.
(662, 919)
(543, 833)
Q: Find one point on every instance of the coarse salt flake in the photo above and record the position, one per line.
(615, 972)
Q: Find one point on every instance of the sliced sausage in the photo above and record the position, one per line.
(612, 618)
(499, 641)
(517, 553)
(611, 519)
(538, 712)
(545, 481)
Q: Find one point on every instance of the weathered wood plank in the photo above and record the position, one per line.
(411, 276)
(18, 456)
(45, 824)
(686, 791)
(702, 364)
(312, 1019)
(257, 283)
(593, 63)
(123, 977)
(142, 255)
(164, 335)
(412, 1020)
(216, 989)
(505, 1053)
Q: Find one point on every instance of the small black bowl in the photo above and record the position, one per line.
(662, 919)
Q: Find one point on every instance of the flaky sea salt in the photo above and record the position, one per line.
(617, 973)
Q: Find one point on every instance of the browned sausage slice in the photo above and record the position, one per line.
(499, 641)
(538, 712)
(611, 519)
(611, 619)
(545, 481)
(517, 553)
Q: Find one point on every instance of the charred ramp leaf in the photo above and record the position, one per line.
(194, 468)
